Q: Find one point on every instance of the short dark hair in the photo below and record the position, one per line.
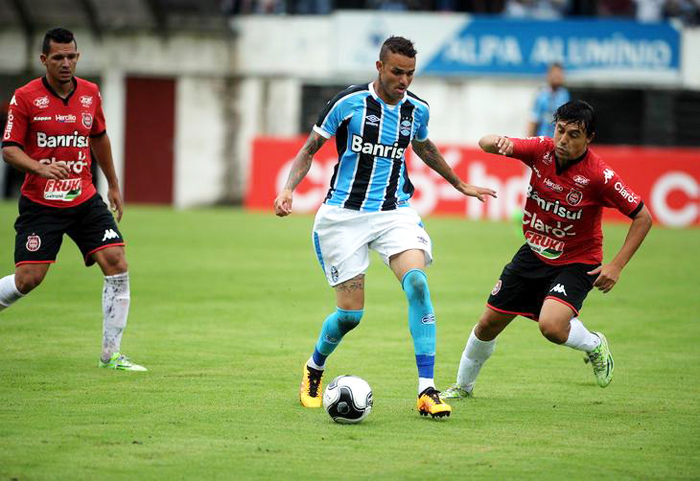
(579, 112)
(400, 45)
(57, 35)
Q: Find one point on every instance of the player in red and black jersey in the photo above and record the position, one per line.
(53, 124)
(561, 260)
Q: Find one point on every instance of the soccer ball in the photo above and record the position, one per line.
(348, 399)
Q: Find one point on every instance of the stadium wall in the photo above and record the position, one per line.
(231, 90)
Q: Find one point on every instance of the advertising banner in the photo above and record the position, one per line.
(464, 45)
(667, 179)
(606, 48)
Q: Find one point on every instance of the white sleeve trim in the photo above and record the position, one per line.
(322, 133)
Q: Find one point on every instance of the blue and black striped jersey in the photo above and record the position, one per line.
(372, 138)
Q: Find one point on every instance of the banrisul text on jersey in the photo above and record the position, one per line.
(372, 138)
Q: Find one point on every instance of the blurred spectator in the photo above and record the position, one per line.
(547, 101)
(649, 10)
(687, 11)
(616, 8)
(586, 8)
(540, 9)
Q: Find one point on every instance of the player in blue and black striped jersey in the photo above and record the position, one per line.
(367, 207)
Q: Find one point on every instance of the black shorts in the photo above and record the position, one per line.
(40, 230)
(526, 282)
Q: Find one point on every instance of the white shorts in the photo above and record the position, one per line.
(342, 239)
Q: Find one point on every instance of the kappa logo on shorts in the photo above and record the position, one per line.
(422, 240)
(33, 243)
(558, 288)
(497, 288)
(110, 234)
(428, 319)
(334, 273)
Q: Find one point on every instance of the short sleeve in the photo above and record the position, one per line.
(335, 112)
(17, 123)
(99, 125)
(615, 193)
(527, 150)
(422, 130)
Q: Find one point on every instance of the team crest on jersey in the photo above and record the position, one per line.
(86, 100)
(87, 120)
(547, 158)
(406, 126)
(581, 180)
(497, 288)
(42, 102)
(33, 243)
(574, 197)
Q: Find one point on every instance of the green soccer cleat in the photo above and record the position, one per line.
(602, 361)
(455, 392)
(120, 362)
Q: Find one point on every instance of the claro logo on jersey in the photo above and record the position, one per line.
(51, 141)
(76, 166)
(8, 125)
(625, 193)
(377, 150)
(554, 207)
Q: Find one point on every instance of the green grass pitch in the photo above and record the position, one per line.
(226, 306)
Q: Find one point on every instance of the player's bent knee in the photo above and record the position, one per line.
(28, 281)
(552, 331)
(349, 319)
(113, 261)
(415, 284)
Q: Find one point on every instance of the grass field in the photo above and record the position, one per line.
(226, 306)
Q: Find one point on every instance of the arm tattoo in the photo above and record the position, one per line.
(302, 162)
(434, 159)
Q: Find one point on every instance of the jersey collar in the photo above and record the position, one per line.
(379, 99)
(55, 94)
(570, 164)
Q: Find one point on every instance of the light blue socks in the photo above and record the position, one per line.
(421, 322)
(334, 328)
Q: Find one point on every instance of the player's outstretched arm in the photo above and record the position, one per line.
(608, 274)
(300, 167)
(429, 153)
(496, 144)
(102, 148)
(17, 158)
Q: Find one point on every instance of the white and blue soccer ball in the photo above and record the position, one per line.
(348, 399)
